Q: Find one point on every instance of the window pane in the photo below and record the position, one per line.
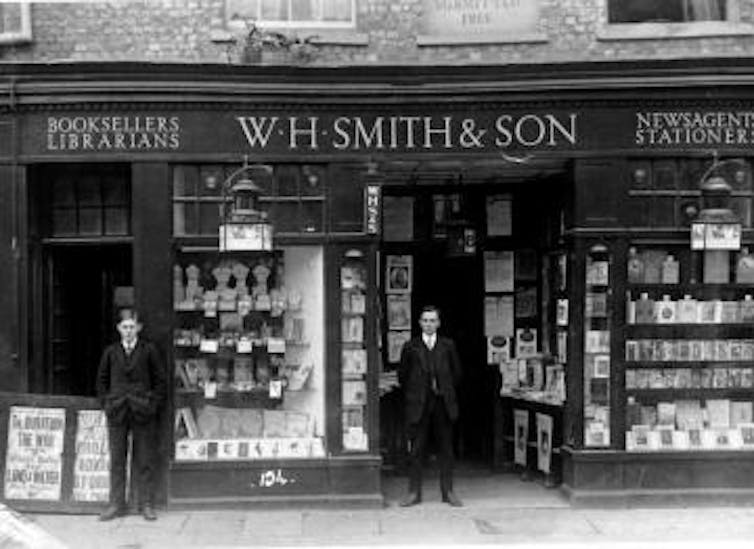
(63, 193)
(63, 221)
(741, 206)
(337, 10)
(664, 176)
(311, 218)
(243, 9)
(116, 221)
(115, 193)
(285, 217)
(209, 218)
(303, 10)
(666, 11)
(275, 10)
(312, 180)
(286, 179)
(89, 191)
(211, 180)
(184, 181)
(184, 219)
(90, 221)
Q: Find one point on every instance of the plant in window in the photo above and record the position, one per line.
(256, 41)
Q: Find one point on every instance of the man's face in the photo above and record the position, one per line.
(429, 322)
(128, 329)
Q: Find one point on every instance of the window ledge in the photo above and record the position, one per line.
(332, 37)
(668, 31)
(463, 39)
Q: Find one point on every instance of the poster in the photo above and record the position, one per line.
(520, 436)
(544, 442)
(498, 316)
(398, 274)
(498, 271)
(395, 342)
(398, 312)
(34, 459)
(91, 470)
(499, 215)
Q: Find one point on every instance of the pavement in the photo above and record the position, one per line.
(498, 510)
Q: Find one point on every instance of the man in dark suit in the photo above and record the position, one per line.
(130, 386)
(428, 374)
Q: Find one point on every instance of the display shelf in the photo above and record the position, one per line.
(254, 398)
(655, 395)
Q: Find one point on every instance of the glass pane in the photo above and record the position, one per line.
(90, 221)
(663, 211)
(184, 181)
(89, 191)
(337, 10)
(116, 221)
(347, 206)
(63, 193)
(303, 10)
(692, 171)
(311, 218)
(312, 180)
(115, 193)
(243, 9)
(664, 175)
(286, 179)
(209, 218)
(179, 219)
(274, 10)
(741, 206)
(63, 221)
(211, 179)
(285, 217)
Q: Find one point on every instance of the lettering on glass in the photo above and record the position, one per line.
(271, 478)
(34, 459)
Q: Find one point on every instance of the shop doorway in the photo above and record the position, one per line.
(85, 284)
(445, 228)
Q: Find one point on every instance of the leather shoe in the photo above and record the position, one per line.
(112, 511)
(148, 512)
(411, 499)
(451, 499)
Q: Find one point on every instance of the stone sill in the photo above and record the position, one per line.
(669, 31)
(465, 39)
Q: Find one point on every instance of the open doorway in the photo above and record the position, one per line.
(84, 286)
(443, 229)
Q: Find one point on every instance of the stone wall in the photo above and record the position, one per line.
(387, 32)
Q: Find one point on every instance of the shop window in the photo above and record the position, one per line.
(89, 204)
(294, 198)
(667, 11)
(15, 22)
(666, 193)
(292, 13)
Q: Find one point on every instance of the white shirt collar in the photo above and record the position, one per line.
(429, 340)
(129, 347)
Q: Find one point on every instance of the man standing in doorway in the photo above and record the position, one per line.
(429, 372)
(130, 386)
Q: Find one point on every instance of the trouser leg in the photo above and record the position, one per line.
(143, 458)
(443, 430)
(118, 439)
(418, 437)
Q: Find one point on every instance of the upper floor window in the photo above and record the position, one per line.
(293, 13)
(15, 22)
(667, 11)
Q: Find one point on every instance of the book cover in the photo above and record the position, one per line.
(683, 378)
(709, 350)
(632, 351)
(719, 378)
(747, 378)
(684, 350)
(707, 376)
(656, 379)
(736, 349)
(642, 379)
(729, 312)
(666, 413)
(706, 313)
(747, 434)
(741, 413)
(718, 413)
(696, 378)
(630, 379)
(735, 376)
(665, 437)
(354, 393)
(641, 437)
(723, 349)
(697, 349)
(354, 362)
(688, 414)
(649, 415)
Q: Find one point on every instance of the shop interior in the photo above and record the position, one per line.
(442, 218)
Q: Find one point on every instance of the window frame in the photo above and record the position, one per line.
(239, 24)
(23, 34)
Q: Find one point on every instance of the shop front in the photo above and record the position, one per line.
(281, 319)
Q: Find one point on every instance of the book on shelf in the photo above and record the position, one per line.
(741, 413)
(649, 415)
(184, 419)
(718, 413)
(666, 413)
(719, 378)
(688, 414)
(729, 312)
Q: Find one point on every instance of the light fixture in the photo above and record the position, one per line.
(245, 226)
(716, 227)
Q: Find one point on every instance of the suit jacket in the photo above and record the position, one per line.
(136, 383)
(414, 376)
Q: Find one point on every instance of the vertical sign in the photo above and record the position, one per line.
(91, 470)
(372, 207)
(34, 460)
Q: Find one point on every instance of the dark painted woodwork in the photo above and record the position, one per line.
(599, 192)
(12, 372)
(153, 268)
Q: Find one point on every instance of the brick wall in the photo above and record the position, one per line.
(182, 31)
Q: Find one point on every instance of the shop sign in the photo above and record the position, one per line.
(372, 209)
(706, 128)
(236, 237)
(480, 17)
(113, 133)
(34, 458)
(715, 236)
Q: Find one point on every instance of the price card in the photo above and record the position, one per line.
(276, 388)
(208, 346)
(210, 389)
(244, 346)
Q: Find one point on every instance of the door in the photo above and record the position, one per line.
(84, 285)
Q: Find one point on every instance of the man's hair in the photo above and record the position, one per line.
(430, 309)
(126, 313)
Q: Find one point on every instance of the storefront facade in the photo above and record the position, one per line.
(114, 187)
